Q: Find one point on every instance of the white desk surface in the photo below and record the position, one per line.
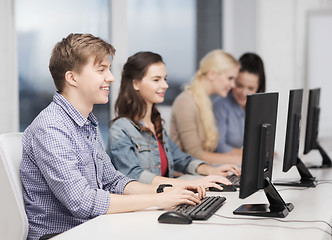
(309, 204)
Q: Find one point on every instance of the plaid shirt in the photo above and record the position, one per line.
(66, 174)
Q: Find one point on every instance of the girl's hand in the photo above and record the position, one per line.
(224, 169)
(212, 180)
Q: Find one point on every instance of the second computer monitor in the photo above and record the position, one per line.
(258, 153)
(311, 136)
(292, 142)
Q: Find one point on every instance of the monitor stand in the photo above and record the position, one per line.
(276, 207)
(327, 163)
(307, 180)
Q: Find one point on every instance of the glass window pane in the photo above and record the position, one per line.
(40, 24)
(167, 27)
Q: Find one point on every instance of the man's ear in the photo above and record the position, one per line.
(135, 85)
(70, 78)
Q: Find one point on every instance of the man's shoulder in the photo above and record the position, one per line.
(52, 115)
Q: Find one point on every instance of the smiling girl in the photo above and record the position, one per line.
(193, 125)
(139, 145)
(230, 111)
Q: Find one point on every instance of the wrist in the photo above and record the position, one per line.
(203, 169)
(161, 187)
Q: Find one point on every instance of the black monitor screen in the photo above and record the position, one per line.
(261, 117)
(311, 133)
(311, 137)
(292, 142)
(258, 153)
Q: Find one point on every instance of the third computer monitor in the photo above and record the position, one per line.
(292, 142)
(311, 136)
(258, 153)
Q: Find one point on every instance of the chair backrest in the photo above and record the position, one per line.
(13, 219)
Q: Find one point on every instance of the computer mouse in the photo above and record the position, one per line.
(174, 217)
(226, 188)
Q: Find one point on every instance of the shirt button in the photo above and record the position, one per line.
(87, 123)
(87, 137)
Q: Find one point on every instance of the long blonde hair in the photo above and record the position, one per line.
(218, 61)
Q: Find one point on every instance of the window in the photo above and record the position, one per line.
(38, 30)
(182, 32)
(167, 27)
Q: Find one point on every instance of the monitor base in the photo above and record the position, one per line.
(297, 184)
(264, 210)
(328, 165)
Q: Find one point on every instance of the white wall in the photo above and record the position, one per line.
(9, 117)
(319, 63)
(280, 38)
(119, 39)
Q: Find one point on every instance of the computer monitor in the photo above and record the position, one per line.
(292, 142)
(311, 136)
(258, 153)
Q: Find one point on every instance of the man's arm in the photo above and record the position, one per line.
(133, 199)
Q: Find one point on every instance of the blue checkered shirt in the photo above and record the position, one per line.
(66, 174)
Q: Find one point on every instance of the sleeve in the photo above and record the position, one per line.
(122, 152)
(113, 180)
(184, 118)
(183, 162)
(60, 166)
(221, 114)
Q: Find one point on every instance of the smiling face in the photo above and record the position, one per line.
(93, 81)
(153, 86)
(246, 83)
(223, 82)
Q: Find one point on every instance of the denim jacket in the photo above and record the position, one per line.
(135, 153)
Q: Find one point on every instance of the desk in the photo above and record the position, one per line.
(309, 204)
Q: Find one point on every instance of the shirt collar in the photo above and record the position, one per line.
(72, 112)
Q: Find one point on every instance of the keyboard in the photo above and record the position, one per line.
(235, 180)
(202, 211)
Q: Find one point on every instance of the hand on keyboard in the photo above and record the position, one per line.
(190, 194)
(202, 211)
(221, 170)
(224, 170)
(212, 181)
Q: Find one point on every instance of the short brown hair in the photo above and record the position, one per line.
(72, 53)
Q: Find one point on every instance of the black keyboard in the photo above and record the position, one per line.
(235, 180)
(203, 211)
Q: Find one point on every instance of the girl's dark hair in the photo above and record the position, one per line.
(252, 63)
(129, 103)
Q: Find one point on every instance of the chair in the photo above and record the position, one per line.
(13, 219)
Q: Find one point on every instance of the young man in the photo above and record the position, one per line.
(66, 174)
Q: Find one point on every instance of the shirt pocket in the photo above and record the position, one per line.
(143, 153)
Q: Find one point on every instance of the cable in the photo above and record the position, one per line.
(318, 182)
(279, 220)
(262, 225)
(323, 182)
(293, 188)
